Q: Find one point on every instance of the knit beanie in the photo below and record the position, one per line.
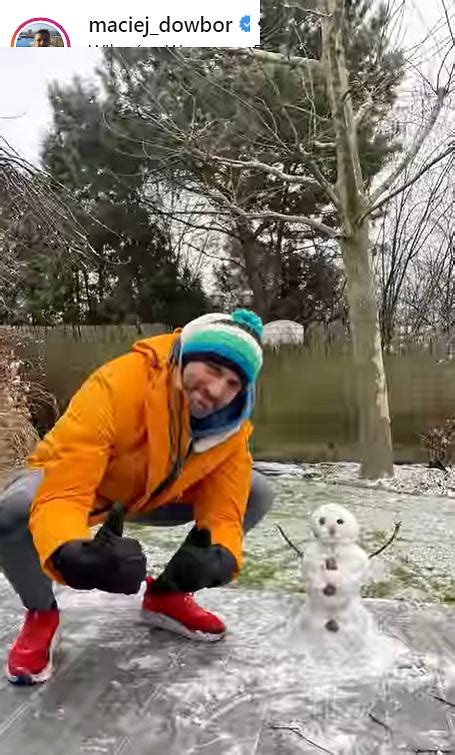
(231, 340)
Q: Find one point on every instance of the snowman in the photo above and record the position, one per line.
(334, 569)
(334, 634)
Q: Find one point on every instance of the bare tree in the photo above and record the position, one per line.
(428, 296)
(26, 192)
(354, 202)
(414, 254)
(325, 159)
(23, 188)
(197, 234)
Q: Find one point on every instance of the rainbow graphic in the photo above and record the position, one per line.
(41, 20)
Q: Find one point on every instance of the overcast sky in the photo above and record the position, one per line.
(24, 110)
(25, 114)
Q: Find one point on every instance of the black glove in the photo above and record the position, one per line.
(109, 562)
(196, 564)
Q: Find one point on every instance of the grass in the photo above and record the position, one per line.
(256, 574)
(382, 589)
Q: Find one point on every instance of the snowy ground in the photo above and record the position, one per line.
(414, 479)
(418, 565)
(122, 689)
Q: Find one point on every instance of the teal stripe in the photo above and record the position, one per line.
(243, 352)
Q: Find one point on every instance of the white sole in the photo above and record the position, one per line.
(161, 621)
(27, 679)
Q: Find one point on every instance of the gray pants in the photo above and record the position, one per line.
(19, 559)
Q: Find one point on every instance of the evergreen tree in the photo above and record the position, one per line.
(132, 273)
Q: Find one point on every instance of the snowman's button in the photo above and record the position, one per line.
(332, 625)
(329, 590)
(331, 564)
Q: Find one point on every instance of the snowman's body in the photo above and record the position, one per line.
(345, 567)
(334, 569)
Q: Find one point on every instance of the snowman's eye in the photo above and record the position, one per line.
(340, 521)
(322, 520)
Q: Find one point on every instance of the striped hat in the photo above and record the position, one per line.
(231, 340)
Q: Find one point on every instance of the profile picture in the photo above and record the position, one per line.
(40, 32)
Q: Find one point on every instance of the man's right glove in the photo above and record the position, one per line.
(109, 562)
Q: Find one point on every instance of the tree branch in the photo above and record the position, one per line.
(257, 165)
(449, 24)
(317, 225)
(324, 184)
(411, 181)
(412, 154)
(228, 260)
(219, 198)
(324, 145)
(318, 179)
(289, 541)
(173, 215)
(276, 58)
(389, 541)
(296, 730)
(363, 111)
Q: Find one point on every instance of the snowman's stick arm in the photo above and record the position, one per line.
(389, 541)
(289, 541)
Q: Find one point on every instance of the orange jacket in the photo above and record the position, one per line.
(123, 432)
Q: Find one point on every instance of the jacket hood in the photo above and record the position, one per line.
(156, 348)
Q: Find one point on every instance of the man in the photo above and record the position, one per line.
(164, 430)
(42, 38)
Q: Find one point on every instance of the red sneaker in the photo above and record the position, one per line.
(30, 657)
(179, 613)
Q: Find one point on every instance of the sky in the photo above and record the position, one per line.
(25, 114)
(40, 25)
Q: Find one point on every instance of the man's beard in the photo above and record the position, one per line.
(198, 411)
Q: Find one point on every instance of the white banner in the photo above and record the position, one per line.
(175, 23)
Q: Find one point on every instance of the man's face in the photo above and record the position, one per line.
(209, 386)
(42, 40)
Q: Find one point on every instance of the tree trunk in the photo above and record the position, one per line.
(89, 299)
(77, 290)
(373, 406)
(253, 258)
(375, 442)
(387, 325)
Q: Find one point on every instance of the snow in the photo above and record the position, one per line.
(412, 479)
(283, 332)
(121, 688)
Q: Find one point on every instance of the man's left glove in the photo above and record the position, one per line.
(109, 562)
(197, 564)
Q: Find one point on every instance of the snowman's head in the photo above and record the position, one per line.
(333, 524)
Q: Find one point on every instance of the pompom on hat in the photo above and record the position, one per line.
(232, 340)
